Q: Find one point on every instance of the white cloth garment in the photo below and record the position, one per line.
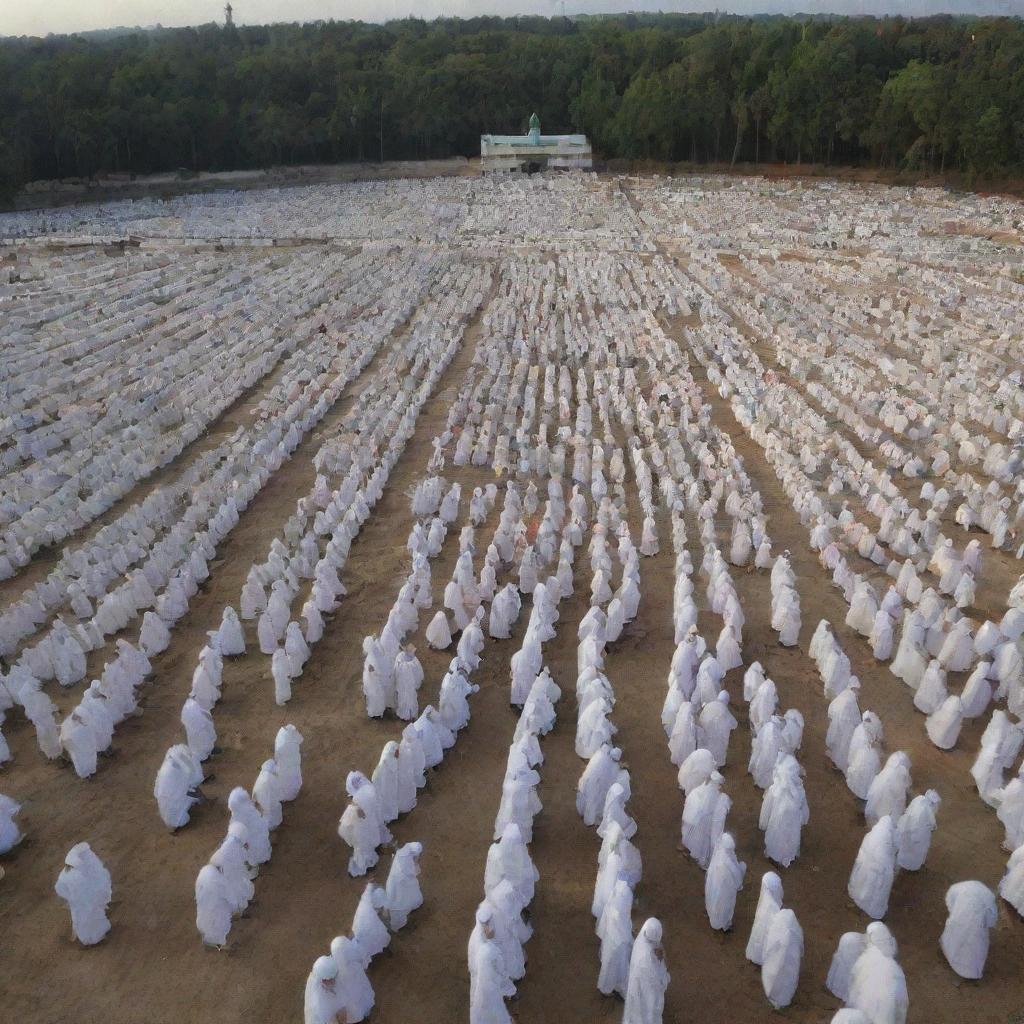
(914, 830)
(769, 903)
(403, 885)
(368, 930)
(784, 812)
(213, 906)
(783, 952)
(877, 985)
(704, 814)
(355, 993)
(615, 931)
(723, 880)
(84, 884)
(972, 913)
(322, 1002)
(10, 834)
(489, 980)
(874, 869)
(288, 758)
(200, 733)
(648, 977)
(175, 784)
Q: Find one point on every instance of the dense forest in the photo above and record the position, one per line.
(940, 93)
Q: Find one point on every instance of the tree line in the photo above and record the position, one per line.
(939, 93)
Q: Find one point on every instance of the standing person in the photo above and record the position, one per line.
(84, 884)
(648, 977)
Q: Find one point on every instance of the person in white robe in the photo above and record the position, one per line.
(10, 833)
(784, 812)
(844, 716)
(206, 679)
(768, 745)
(615, 932)
(600, 774)
(511, 931)
(489, 981)
(944, 723)
(594, 728)
(438, 634)
(175, 786)
(266, 791)
(368, 930)
(408, 674)
(874, 869)
(84, 885)
(519, 802)
(783, 952)
(200, 733)
(314, 620)
(213, 906)
(323, 1004)
(230, 638)
(695, 770)
(435, 737)
(453, 703)
(686, 735)
(717, 723)
(887, 794)
(471, 643)
(281, 670)
(413, 763)
(385, 780)
(402, 891)
(524, 666)
(245, 813)
(154, 637)
(877, 987)
(763, 705)
(723, 880)
(78, 739)
(769, 903)
(378, 677)
(509, 859)
(505, 610)
(965, 937)
(704, 813)
(648, 977)
(41, 712)
(914, 830)
(614, 811)
(362, 825)
(840, 971)
(296, 648)
(288, 758)
(231, 859)
(863, 756)
(931, 690)
(1011, 886)
(1000, 744)
(617, 858)
(355, 992)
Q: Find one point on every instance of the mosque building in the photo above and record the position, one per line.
(533, 152)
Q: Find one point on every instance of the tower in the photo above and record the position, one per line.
(534, 135)
(228, 23)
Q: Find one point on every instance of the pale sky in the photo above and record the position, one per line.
(39, 17)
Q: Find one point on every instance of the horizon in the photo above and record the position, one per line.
(70, 17)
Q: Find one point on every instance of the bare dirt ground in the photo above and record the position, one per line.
(153, 969)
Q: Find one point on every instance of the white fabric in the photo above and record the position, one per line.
(84, 884)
